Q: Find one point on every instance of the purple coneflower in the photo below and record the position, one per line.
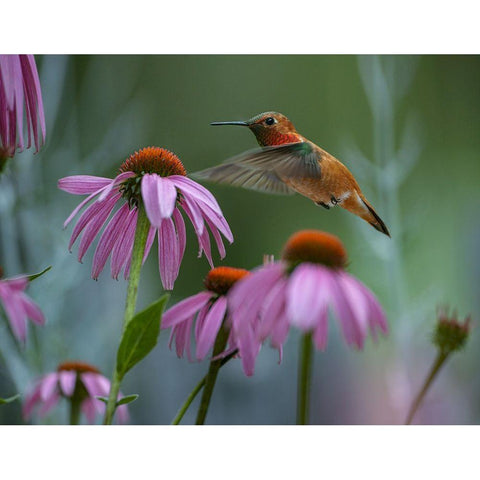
(208, 311)
(298, 291)
(19, 90)
(18, 306)
(155, 178)
(78, 382)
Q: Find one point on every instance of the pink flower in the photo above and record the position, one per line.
(298, 291)
(72, 380)
(207, 310)
(18, 306)
(156, 178)
(19, 90)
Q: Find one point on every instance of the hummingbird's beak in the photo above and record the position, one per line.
(243, 124)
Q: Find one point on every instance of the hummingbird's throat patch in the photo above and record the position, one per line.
(315, 246)
(221, 279)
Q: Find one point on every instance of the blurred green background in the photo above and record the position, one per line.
(406, 126)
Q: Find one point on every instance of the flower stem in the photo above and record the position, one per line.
(437, 364)
(211, 377)
(304, 377)
(191, 397)
(141, 234)
(75, 404)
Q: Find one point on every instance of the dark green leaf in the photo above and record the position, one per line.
(3, 401)
(36, 275)
(140, 336)
(102, 399)
(127, 399)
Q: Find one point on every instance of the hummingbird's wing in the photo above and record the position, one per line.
(262, 169)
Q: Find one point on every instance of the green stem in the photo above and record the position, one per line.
(191, 397)
(304, 377)
(141, 234)
(211, 378)
(437, 364)
(3, 162)
(75, 404)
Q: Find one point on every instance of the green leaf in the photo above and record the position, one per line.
(127, 399)
(3, 401)
(102, 399)
(140, 336)
(36, 275)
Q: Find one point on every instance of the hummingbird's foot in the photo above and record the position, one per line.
(334, 200)
(324, 205)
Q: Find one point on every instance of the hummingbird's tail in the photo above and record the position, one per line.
(359, 205)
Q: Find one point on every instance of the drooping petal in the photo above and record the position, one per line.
(181, 235)
(114, 184)
(49, 403)
(185, 309)
(83, 184)
(168, 253)
(67, 380)
(272, 309)
(16, 315)
(218, 220)
(194, 214)
(32, 310)
(31, 401)
(211, 327)
(122, 250)
(320, 333)
(89, 409)
(308, 294)
(110, 236)
(48, 385)
(159, 196)
(96, 223)
(193, 189)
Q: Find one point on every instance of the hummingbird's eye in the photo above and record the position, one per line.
(270, 121)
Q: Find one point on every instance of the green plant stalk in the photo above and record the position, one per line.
(437, 365)
(75, 406)
(141, 234)
(191, 397)
(304, 377)
(211, 378)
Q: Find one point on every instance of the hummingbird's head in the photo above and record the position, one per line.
(270, 128)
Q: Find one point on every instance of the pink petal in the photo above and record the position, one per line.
(194, 214)
(49, 403)
(211, 326)
(89, 409)
(31, 401)
(272, 309)
(159, 196)
(114, 185)
(83, 184)
(307, 295)
(67, 381)
(122, 250)
(111, 235)
(185, 309)
(95, 224)
(168, 253)
(181, 235)
(195, 190)
(16, 315)
(48, 385)
(320, 334)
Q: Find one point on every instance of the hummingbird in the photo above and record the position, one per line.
(288, 163)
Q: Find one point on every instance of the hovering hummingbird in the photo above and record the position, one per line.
(286, 163)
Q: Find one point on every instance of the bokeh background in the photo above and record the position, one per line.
(406, 126)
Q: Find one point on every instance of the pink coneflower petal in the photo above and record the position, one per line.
(122, 249)
(185, 309)
(217, 220)
(16, 315)
(48, 404)
(48, 386)
(280, 331)
(114, 183)
(307, 294)
(159, 196)
(351, 326)
(89, 409)
(194, 214)
(67, 380)
(111, 235)
(96, 223)
(217, 237)
(249, 347)
(201, 320)
(31, 401)
(205, 246)
(32, 310)
(271, 310)
(152, 232)
(211, 326)
(320, 334)
(83, 184)
(168, 253)
(195, 190)
(181, 235)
